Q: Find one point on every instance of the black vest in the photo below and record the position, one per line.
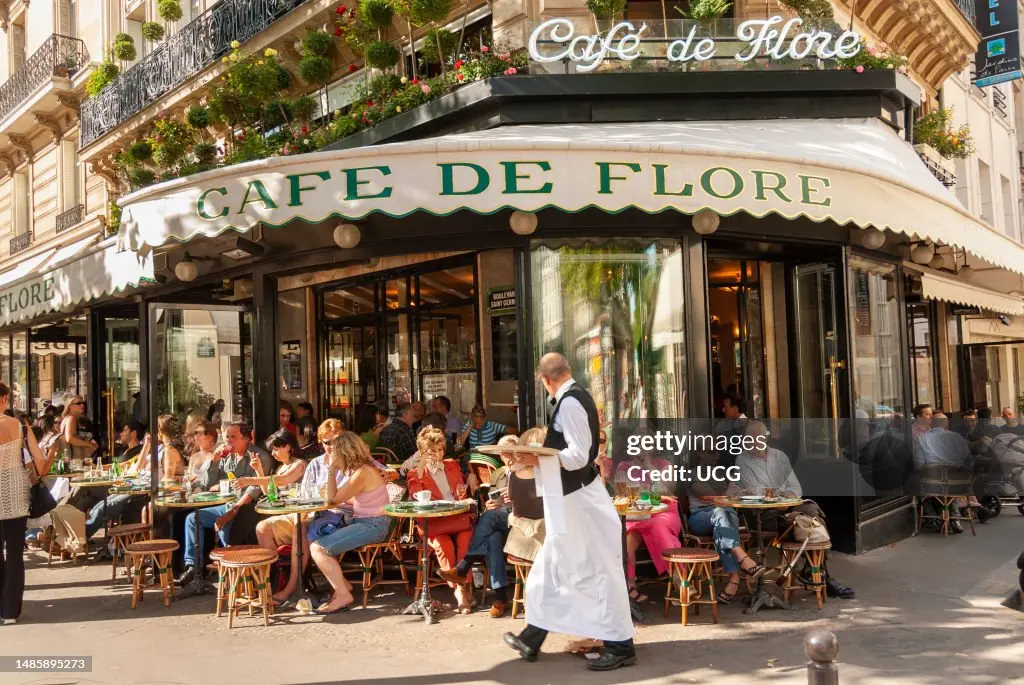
(574, 480)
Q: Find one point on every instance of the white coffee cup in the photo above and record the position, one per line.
(225, 487)
(423, 496)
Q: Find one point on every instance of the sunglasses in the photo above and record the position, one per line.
(75, 404)
(198, 434)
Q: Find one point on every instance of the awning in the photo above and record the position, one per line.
(25, 267)
(82, 274)
(856, 171)
(935, 287)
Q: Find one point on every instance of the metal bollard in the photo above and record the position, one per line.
(822, 647)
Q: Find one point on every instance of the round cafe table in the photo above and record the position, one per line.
(106, 483)
(406, 510)
(198, 586)
(297, 508)
(761, 598)
(634, 607)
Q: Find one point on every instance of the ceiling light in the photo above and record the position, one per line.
(705, 222)
(186, 270)
(872, 238)
(242, 249)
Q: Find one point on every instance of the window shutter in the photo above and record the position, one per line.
(64, 18)
(5, 207)
(17, 37)
(70, 174)
(20, 201)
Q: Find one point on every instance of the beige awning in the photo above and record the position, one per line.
(946, 289)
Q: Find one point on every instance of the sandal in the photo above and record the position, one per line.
(726, 597)
(637, 596)
(753, 572)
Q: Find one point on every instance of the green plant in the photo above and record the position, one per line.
(141, 176)
(274, 114)
(706, 10)
(140, 151)
(936, 129)
(205, 153)
(606, 10)
(871, 57)
(284, 78)
(249, 145)
(105, 74)
(382, 55)
(241, 93)
(113, 217)
(315, 70)
(198, 116)
(317, 43)
(383, 85)
(123, 47)
(152, 30)
(302, 108)
(378, 14)
(169, 10)
(448, 40)
(810, 9)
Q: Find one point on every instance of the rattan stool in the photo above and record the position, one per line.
(215, 557)
(814, 556)
(522, 570)
(247, 574)
(159, 552)
(692, 565)
(123, 536)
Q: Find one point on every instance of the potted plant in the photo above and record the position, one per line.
(152, 31)
(938, 143)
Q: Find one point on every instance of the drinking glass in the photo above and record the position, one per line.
(293, 491)
(634, 491)
(460, 492)
(645, 496)
(621, 490)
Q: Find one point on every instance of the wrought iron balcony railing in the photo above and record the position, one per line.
(20, 242)
(197, 45)
(966, 8)
(69, 218)
(57, 56)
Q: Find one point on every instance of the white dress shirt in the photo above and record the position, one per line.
(572, 422)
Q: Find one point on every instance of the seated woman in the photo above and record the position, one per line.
(204, 438)
(658, 532)
(449, 537)
(365, 489)
(723, 525)
(526, 522)
(276, 531)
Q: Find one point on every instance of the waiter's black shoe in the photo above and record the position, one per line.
(833, 588)
(609, 661)
(527, 653)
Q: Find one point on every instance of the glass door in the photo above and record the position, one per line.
(352, 369)
(820, 361)
(991, 378)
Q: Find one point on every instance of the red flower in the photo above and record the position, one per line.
(337, 31)
(369, 103)
(365, 120)
(458, 64)
(415, 81)
(352, 68)
(461, 77)
(305, 130)
(341, 9)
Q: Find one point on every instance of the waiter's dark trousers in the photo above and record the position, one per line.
(534, 637)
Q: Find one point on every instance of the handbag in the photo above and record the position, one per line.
(40, 500)
(809, 529)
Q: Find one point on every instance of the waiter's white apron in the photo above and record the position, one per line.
(577, 585)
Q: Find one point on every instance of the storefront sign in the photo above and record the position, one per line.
(775, 38)
(30, 296)
(501, 300)
(435, 386)
(998, 56)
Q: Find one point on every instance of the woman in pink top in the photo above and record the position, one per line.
(367, 491)
(658, 532)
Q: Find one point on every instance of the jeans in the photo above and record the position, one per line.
(723, 524)
(207, 517)
(355, 534)
(108, 510)
(12, 566)
(488, 541)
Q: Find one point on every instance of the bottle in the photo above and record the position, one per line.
(515, 396)
(272, 493)
(61, 463)
(115, 468)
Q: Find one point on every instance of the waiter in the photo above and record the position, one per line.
(577, 585)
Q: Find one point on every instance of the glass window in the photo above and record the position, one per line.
(202, 364)
(877, 360)
(293, 349)
(123, 370)
(19, 376)
(447, 286)
(349, 301)
(396, 293)
(921, 324)
(5, 359)
(448, 339)
(54, 373)
(616, 312)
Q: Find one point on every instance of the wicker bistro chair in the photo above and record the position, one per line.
(944, 485)
(123, 536)
(695, 584)
(814, 557)
(247, 575)
(215, 558)
(521, 567)
(371, 556)
(384, 455)
(158, 552)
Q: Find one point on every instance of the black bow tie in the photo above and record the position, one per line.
(553, 402)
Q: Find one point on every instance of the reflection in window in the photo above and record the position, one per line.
(5, 359)
(123, 369)
(616, 312)
(921, 323)
(877, 361)
(188, 379)
(19, 372)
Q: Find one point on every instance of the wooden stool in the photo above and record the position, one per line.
(522, 569)
(123, 536)
(814, 556)
(247, 573)
(693, 567)
(159, 553)
(215, 557)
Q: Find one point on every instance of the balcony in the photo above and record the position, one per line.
(188, 52)
(69, 218)
(61, 56)
(20, 243)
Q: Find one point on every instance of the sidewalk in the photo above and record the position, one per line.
(927, 613)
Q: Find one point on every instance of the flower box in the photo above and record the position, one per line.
(943, 169)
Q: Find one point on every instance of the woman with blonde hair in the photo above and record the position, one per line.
(170, 465)
(366, 490)
(449, 537)
(81, 441)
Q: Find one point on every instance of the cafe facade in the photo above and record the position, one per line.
(679, 235)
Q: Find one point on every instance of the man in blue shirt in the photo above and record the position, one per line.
(479, 431)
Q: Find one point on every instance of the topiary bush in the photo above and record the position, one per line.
(377, 13)
(302, 108)
(169, 10)
(433, 11)
(105, 74)
(198, 117)
(382, 55)
(124, 47)
(152, 30)
(284, 78)
(317, 43)
(315, 70)
(141, 176)
(140, 151)
(205, 153)
(383, 85)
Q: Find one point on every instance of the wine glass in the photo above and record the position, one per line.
(460, 491)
